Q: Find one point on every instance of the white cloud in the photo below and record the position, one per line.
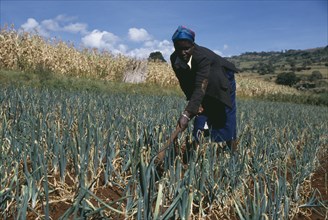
(109, 37)
(165, 47)
(93, 39)
(109, 41)
(31, 25)
(104, 40)
(122, 48)
(59, 23)
(151, 43)
(225, 49)
(138, 35)
(76, 28)
(64, 18)
(50, 25)
(140, 53)
(218, 52)
(101, 39)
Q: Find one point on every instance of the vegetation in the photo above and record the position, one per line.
(286, 78)
(265, 68)
(29, 53)
(76, 142)
(73, 84)
(288, 60)
(82, 154)
(316, 75)
(156, 56)
(53, 61)
(302, 63)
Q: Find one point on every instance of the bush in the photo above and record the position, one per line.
(287, 78)
(264, 68)
(156, 56)
(315, 75)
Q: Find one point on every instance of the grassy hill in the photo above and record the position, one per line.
(310, 66)
(290, 60)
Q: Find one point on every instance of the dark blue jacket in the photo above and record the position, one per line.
(206, 78)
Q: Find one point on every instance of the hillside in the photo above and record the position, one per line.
(309, 66)
(288, 60)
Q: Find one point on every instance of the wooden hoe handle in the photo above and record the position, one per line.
(161, 152)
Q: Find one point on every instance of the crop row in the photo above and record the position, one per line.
(91, 155)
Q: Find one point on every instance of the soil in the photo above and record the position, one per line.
(318, 181)
(106, 194)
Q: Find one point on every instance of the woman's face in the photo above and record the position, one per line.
(184, 49)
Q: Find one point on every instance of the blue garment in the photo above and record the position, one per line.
(183, 33)
(221, 120)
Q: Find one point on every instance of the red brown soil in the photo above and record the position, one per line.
(318, 181)
(108, 194)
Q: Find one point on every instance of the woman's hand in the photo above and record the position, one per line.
(200, 109)
(184, 120)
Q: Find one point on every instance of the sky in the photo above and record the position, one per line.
(136, 28)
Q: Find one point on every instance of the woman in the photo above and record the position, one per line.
(208, 82)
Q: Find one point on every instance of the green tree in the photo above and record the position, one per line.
(265, 68)
(287, 78)
(156, 56)
(315, 75)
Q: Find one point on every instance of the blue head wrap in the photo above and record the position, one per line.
(183, 33)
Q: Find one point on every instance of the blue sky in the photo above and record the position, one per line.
(137, 28)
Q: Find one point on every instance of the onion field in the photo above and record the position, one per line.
(90, 155)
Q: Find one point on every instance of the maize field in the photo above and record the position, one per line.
(88, 155)
(28, 53)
